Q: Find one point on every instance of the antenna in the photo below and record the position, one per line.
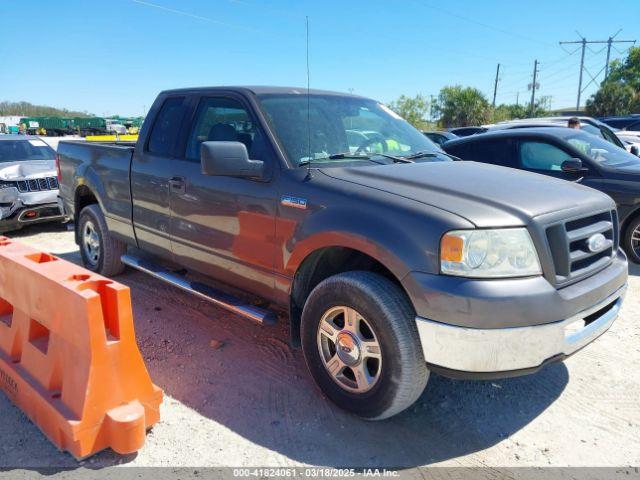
(308, 105)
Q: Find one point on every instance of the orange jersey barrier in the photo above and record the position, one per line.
(68, 354)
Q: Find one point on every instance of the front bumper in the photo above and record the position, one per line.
(26, 215)
(462, 352)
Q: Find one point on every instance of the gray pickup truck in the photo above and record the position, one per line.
(390, 259)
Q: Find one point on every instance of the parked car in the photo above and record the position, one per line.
(587, 124)
(114, 126)
(440, 136)
(631, 143)
(568, 154)
(628, 122)
(466, 131)
(390, 259)
(28, 183)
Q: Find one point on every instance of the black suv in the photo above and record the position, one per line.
(568, 154)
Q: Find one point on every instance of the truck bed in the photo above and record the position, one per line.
(105, 169)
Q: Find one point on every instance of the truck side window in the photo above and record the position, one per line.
(542, 156)
(166, 127)
(225, 119)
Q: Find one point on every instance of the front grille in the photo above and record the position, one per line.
(569, 243)
(37, 185)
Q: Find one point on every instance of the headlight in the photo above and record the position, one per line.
(4, 184)
(496, 253)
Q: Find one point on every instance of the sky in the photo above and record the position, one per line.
(113, 57)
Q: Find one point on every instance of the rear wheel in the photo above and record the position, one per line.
(361, 344)
(631, 241)
(99, 250)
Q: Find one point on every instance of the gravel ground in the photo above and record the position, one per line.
(252, 403)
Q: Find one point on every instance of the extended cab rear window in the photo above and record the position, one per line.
(167, 127)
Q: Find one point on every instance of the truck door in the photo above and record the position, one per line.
(151, 173)
(224, 227)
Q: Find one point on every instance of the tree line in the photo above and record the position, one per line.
(27, 109)
(459, 106)
(619, 93)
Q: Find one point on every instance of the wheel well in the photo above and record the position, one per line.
(323, 264)
(627, 221)
(84, 197)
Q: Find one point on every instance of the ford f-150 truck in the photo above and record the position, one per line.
(391, 260)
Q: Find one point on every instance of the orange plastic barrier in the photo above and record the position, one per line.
(68, 354)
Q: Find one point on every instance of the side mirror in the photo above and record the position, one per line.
(573, 165)
(229, 159)
(635, 151)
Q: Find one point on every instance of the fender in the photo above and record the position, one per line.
(380, 232)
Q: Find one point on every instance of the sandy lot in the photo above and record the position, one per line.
(252, 403)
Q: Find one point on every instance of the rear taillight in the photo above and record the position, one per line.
(58, 168)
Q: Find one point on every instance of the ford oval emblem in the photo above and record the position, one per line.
(596, 242)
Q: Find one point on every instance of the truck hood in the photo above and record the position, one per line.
(26, 170)
(484, 194)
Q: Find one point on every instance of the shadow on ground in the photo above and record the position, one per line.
(258, 387)
(36, 229)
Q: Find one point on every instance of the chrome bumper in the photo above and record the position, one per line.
(510, 349)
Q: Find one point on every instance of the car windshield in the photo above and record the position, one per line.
(600, 150)
(20, 150)
(343, 129)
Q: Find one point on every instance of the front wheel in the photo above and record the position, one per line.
(361, 344)
(99, 250)
(631, 240)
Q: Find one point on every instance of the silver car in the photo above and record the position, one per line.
(28, 182)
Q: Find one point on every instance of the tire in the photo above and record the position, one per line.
(631, 240)
(383, 316)
(99, 250)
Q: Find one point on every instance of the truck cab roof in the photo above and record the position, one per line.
(257, 90)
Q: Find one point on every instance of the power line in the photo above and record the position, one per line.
(194, 16)
(583, 42)
(485, 25)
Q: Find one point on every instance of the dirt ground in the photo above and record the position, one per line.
(252, 403)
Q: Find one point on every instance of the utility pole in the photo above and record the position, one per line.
(533, 86)
(432, 106)
(584, 46)
(495, 86)
(517, 98)
(584, 42)
(606, 66)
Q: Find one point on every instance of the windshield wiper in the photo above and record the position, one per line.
(408, 158)
(396, 159)
(339, 156)
(452, 157)
(421, 155)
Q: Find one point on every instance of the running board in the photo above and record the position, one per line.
(221, 299)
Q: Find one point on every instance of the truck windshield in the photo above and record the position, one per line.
(343, 129)
(600, 150)
(20, 150)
